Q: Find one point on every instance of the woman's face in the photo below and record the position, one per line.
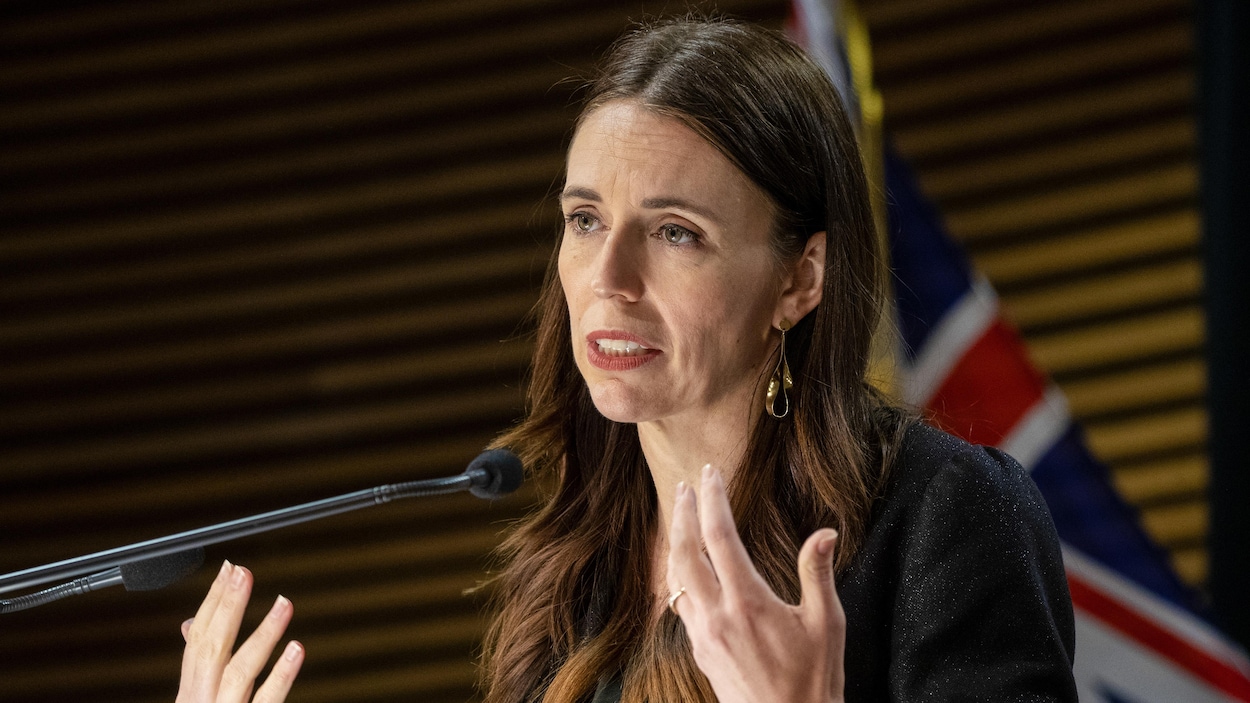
(671, 283)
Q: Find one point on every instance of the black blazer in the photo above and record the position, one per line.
(958, 593)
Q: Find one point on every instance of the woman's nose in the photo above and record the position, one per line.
(618, 268)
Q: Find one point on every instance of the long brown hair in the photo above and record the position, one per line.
(574, 597)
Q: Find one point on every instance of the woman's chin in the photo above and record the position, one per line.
(617, 412)
(623, 405)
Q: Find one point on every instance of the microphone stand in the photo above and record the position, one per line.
(243, 527)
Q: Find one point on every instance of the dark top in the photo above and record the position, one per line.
(958, 592)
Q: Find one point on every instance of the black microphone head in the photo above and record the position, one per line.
(495, 473)
(159, 572)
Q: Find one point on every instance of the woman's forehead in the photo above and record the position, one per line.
(624, 147)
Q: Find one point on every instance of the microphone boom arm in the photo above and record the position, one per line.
(234, 529)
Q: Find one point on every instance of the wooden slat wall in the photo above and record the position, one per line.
(255, 254)
(1058, 139)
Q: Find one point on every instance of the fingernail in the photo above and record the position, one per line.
(236, 579)
(225, 569)
(291, 653)
(826, 545)
(707, 471)
(279, 604)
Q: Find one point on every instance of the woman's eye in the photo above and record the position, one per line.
(581, 222)
(674, 234)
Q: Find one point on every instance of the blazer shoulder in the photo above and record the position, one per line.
(929, 454)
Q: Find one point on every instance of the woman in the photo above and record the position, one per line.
(702, 347)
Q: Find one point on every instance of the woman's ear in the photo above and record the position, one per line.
(805, 282)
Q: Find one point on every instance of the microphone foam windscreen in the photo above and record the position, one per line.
(502, 471)
(159, 572)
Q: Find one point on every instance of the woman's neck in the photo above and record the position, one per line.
(677, 449)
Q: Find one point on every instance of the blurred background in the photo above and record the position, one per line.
(259, 253)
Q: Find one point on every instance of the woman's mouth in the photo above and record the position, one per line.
(618, 351)
(621, 347)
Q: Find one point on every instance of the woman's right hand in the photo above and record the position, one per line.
(212, 672)
(752, 645)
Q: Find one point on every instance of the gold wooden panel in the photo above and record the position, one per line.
(1066, 204)
(1157, 384)
(1165, 235)
(1031, 116)
(1155, 481)
(1138, 287)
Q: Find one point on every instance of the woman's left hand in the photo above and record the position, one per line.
(751, 645)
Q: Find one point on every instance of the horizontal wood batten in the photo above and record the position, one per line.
(1169, 44)
(1174, 233)
(1074, 204)
(1127, 98)
(1120, 148)
(1138, 288)
(1167, 382)
(1106, 344)
(1008, 30)
(1161, 479)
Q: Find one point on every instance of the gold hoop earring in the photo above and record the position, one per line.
(781, 380)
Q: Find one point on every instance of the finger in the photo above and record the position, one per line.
(240, 674)
(196, 664)
(688, 566)
(724, 547)
(224, 620)
(820, 601)
(209, 604)
(218, 635)
(279, 681)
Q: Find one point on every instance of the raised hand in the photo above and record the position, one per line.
(212, 672)
(750, 644)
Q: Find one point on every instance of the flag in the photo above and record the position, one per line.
(1140, 633)
(1140, 637)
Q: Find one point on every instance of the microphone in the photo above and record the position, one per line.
(492, 475)
(145, 575)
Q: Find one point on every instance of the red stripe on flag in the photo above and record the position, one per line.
(989, 390)
(1216, 673)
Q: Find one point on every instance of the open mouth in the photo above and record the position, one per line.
(618, 351)
(620, 347)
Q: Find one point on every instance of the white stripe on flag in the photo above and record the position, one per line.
(1181, 623)
(1038, 430)
(818, 21)
(1109, 662)
(954, 334)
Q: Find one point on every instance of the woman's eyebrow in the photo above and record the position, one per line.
(590, 194)
(678, 203)
(580, 192)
